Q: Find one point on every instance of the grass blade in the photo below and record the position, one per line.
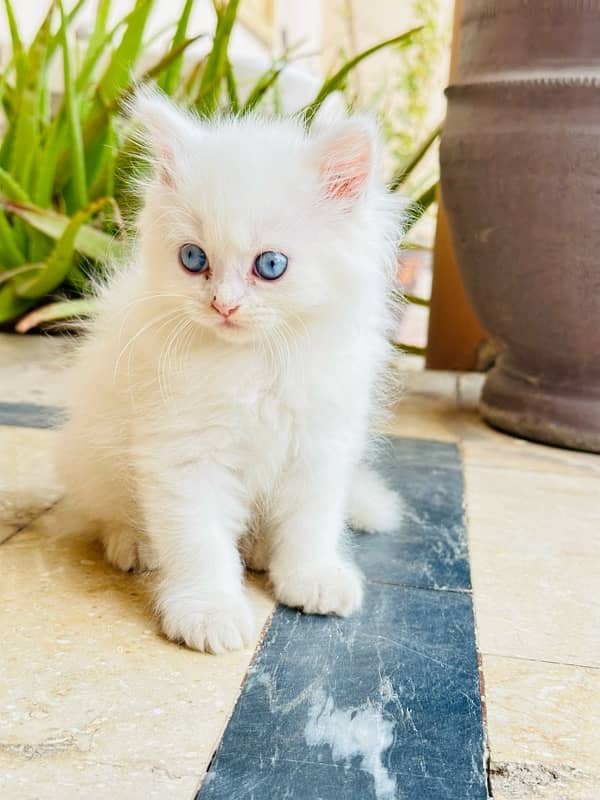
(18, 52)
(12, 306)
(410, 349)
(25, 136)
(337, 80)
(54, 312)
(98, 34)
(118, 72)
(9, 274)
(406, 169)
(71, 15)
(11, 255)
(419, 206)
(232, 92)
(165, 63)
(215, 68)
(89, 241)
(262, 86)
(12, 188)
(55, 143)
(59, 261)
(92, 57)
(170, 77)
(73, 121)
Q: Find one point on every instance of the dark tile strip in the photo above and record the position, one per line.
(384, 705)
(430, 550)
(30, 415)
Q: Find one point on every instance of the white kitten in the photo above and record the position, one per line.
(223, 395)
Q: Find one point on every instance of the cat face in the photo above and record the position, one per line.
(253, 226)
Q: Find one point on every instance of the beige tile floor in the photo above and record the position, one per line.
(93, 701)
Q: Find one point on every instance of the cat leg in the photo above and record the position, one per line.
(194, 514)
(308, 567)
(373, 507)
(127, 549)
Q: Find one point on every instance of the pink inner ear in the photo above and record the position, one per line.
(346, 165)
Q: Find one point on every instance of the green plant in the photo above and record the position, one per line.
(65, 160)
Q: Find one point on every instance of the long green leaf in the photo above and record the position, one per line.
(9, 274)
(60, 259)
(19, 59)
(71, 15)
(98, 34)
(11, 306)
(89, 241)
(25, 118)
(118, 71)
(402, 297)
(25, 136)
(56, 139)
(37, 56)
(73, 121)
(170, 77)
(12, 188)
(232, 91)
(54, 312)
(93, 56)
(188, 90)
(405, 170)
(262, 86)
(163, 64)
(410, 349)
(419, 206)
(337, 80)
(215, 69)
(11, 254)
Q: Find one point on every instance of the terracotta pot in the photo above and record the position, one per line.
(520, 159)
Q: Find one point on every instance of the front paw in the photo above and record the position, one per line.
(320, 589)
(209, 624)
(128, 550)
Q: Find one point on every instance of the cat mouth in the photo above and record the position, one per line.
(230, 330)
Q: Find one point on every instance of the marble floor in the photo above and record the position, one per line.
(143, 716)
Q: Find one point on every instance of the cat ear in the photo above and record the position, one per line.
(165, 131)
(347, 157)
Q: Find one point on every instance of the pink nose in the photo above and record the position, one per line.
(224, 310)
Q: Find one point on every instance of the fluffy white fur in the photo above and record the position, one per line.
(190, 438)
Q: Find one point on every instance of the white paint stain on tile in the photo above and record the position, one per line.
(361, 732)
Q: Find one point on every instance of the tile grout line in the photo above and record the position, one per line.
(462, 456)
(30, 522)
(542, 661)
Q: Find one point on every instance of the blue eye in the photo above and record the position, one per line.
(193, 258)
(270, 265)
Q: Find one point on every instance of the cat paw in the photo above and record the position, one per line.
(323, 589)
(209, 625)
(373, 507)
(128, 551)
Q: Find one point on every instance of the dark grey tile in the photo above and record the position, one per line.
(29, 415)
(430, 547)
